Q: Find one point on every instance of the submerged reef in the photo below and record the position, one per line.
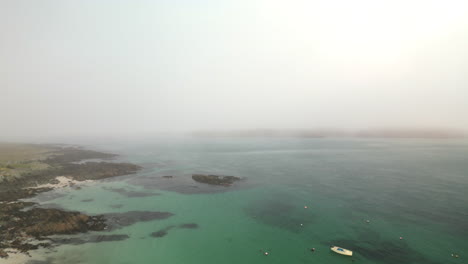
(163, 232)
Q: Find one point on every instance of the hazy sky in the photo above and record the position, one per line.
(98, 67)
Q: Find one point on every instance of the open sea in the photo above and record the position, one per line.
(297, 194)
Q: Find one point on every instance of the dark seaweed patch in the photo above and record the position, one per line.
(119, 220)
(130, 194)
(281, 213)
(189, 226)
(91, 239)
(162, 232)
(368, 235)
(38, 262)
(159, 233)
(414, 208)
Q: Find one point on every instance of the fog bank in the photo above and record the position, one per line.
(118, 68)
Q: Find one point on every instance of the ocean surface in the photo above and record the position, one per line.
(410, 188)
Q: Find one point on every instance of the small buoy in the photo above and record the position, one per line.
(456, 256)
(312, 249)
(302, 225)
(367, 221)
(305, 207)
(401, 238)
(266, 253)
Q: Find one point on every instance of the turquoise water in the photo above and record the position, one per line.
(415, 189)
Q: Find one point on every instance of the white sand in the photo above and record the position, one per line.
(16, 257)
(63, 182)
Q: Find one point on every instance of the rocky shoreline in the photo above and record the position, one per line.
(24, 227)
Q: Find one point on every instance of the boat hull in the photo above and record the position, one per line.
(341, 251)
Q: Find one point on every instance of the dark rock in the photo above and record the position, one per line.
(182, 184)
(39, 222)
(215, 179)
(20, 224)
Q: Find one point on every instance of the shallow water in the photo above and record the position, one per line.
(415, 189)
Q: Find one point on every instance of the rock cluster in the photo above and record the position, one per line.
(215, 179)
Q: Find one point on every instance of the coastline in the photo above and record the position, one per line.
(24, 230)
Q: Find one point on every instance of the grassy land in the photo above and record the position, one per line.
(16, 152)
(27, 165)
(18, 159)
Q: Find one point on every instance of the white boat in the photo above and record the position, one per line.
(341, 251)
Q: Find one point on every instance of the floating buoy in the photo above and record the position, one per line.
(305, 207)
(312, 249)
(302, 225)
(266, 253)
(367, 221)
(401, 238)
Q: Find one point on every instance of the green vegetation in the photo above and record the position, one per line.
(16, 152)
(26, 165)
(17, 160)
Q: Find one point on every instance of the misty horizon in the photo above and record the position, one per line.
(91, 68)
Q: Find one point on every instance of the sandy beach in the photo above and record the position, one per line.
(16, 257)
(63, 182)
